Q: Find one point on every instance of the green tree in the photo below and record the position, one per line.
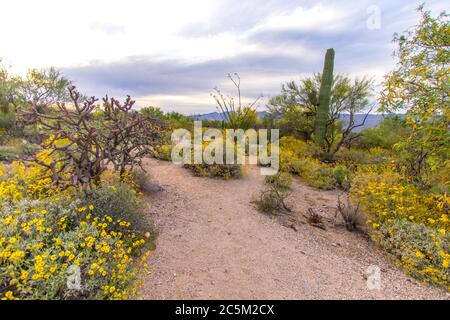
(296, 108)
(41, 88)
(154, 112)
(420, 85)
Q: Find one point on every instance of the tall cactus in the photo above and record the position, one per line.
(324, 98)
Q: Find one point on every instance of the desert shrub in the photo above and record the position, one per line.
(409, 221)
(163, 152)
(45, 231)
(272, 200)
(299, 147)
(119, 201)
(296, 157)
(42, 241)
(386, 194)
(350, 214)
(312, 171)
(225, 171)
(385, 135)
(356, 156)
(9, 153)
(417, 249)
(342, 176)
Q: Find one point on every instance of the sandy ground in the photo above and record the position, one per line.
(213, 244)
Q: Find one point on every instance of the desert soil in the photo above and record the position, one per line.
(213, 244)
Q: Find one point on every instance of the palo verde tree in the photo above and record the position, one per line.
(296, 109)
(420, 85)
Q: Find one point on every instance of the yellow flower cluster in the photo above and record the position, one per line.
(412, 224)
(385, 195)
(42, 238)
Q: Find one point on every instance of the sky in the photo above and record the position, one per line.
(172, 53)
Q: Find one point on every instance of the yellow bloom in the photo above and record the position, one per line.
(420, 255)
(445, 263)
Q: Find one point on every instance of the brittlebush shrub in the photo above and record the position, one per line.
(120, 201)
(45, 233)
(386, 194)
(40, 241)
(224, 171)
(410, 222)
(296, 157)
(163, 152)
(417, 249)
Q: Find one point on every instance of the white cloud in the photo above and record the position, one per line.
(318, 18)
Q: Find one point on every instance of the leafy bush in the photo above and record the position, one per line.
(417, 249)
(296, 157)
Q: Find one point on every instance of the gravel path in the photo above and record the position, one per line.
(213, 244)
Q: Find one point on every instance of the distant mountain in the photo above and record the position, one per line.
(219, 116)
(371, 121)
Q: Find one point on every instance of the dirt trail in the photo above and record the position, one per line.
(213, 244)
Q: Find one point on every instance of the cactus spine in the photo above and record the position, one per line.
(324, 98)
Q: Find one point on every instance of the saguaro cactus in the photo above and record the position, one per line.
(324, 98)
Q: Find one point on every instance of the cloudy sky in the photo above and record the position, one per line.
(172, 53)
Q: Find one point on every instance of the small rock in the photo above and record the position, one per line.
(336, 244)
